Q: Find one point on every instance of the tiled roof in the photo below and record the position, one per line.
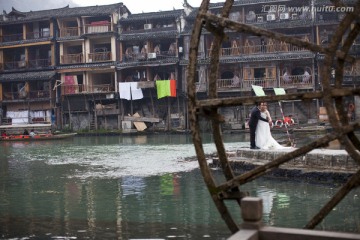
(152, 15)
(61, 12)
(149, 35)
(87, 65)
(235, 4)
(27, 76)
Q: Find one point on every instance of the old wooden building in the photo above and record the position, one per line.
(96, 67)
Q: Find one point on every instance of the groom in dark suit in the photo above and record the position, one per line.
(255, 116)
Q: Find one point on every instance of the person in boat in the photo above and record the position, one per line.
(4, 134)
(32, 133)
(26, 132)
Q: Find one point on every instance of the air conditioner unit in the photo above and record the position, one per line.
(151, 55)
(260, 19)
(148, 26)
(270, 17)
(294, 16)
(284, 16)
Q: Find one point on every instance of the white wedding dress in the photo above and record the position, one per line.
(263, 137)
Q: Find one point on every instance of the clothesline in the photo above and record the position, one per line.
(131, 91)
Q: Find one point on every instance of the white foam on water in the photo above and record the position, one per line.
(114, 161)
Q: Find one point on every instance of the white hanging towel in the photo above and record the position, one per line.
(136, 92)
(124, 90)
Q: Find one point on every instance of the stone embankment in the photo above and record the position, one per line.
(319, 164)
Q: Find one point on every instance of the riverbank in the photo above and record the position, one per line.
(319, 165)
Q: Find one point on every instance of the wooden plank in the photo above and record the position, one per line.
(140, 126)
(142, 119)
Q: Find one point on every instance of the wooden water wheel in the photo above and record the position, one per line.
(336, 53)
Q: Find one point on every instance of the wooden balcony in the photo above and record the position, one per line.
(15, 65)
(239, 84)
(22, 95)
(259, 49)
(70, 31)
(263, 82)
(228, 83)
(297, 81)
(83, 89)
(39, 63)
(149, 30)
(98, 27)
(38, 35)
(99, 56)
(11, 37)
(161, 55)
(72, 58)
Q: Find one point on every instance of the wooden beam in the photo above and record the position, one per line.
(141, 119)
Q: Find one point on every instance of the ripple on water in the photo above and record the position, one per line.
(114, 161)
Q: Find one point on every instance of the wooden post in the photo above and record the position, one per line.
(68, 103)
(118, 115)
(152, 104)
(169, 114)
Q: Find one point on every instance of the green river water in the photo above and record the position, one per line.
(133, 187)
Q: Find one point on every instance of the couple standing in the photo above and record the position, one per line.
(259, 124)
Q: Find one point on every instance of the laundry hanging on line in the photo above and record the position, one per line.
(130, 90)
(166, 88)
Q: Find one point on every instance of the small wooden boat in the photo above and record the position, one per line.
(37, 137)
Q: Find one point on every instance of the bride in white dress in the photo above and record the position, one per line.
(263, 137)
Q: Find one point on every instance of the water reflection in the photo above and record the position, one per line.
(138, 187)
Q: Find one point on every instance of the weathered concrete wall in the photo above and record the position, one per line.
(319, 165)
(318, 159)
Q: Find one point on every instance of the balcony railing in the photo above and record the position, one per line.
(259, 49)
(99, 56)
(39, 94)
(34, 63)
(39, 63)
(70, 32)
(80, 88)
(72, 58)
(98, 27)
(263, 82)
(296, 81)
(228, 83)
(154, 29)
(133, 57)
(15, 65)
(11, 37)
(21, 95)
(37, 35)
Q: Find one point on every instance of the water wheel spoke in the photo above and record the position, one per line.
(333, 97)
(353, 182)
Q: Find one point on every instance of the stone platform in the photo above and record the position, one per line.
(319, 164)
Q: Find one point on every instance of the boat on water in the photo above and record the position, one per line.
(37, 137)
(43, 132)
